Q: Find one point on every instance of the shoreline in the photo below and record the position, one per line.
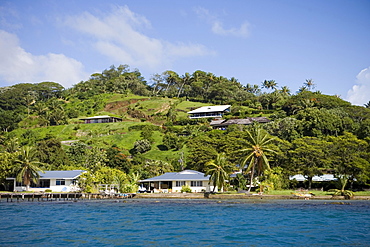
(206, 196)
(240, 196)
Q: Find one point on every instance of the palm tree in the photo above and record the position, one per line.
(219, 170)
(271, 84)
(309, 84)
(27, 167)
(302, 89)
(342, 182)
(285, 91)
(252, 88)
(259, 145)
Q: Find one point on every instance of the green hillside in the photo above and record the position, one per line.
(309, 133)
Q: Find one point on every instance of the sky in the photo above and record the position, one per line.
(288, 41)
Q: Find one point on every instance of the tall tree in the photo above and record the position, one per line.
(27, 166)
(309, 157)
(349, 158)
(219, 169)
(285, 91)
(309, 84)
(259, 145)
(269, 84)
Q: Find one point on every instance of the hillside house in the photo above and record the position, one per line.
(173, 182)
(101, 119)
(223, 123)
(57, 181)
(216, 111)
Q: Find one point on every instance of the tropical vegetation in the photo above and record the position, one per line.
(310, 133)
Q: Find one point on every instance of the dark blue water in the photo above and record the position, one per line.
(144, 222)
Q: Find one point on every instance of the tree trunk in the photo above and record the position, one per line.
(252, 173)
(179, 92)
(309, 182)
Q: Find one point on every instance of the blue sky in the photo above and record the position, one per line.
(288, 41)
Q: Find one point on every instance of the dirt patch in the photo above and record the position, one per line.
(121, 105)
(164, 107)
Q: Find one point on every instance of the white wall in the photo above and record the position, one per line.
(68, 187)
(205, 187)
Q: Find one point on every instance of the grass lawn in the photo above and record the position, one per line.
(315, 192)
(289, 192)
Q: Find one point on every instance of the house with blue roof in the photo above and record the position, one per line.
(173, 182)
(57, 181)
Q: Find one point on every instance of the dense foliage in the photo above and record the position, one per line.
(310, 133)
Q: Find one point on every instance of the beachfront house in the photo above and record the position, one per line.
(173, 182)
(216, 111)
(223, 123)
(56, 181)
(101, 119)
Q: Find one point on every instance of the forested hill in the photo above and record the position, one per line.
(313, 132)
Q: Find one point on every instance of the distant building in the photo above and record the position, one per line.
(57, 181)
(322, 178)
(223, 123)
(209, 111)
(101, 119)
(173, 182)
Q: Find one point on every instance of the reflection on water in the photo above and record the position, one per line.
(164, 222)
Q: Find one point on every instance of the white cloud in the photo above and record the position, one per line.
(217, 26)
(17, 65)
(360, 93)
(119, 36)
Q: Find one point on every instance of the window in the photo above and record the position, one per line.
(180, 183)
(44, 183)
(60, 182)
(196, 183)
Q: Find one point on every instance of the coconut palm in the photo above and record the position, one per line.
(285, 91)
(271, 84)
(219, 169)
(27, 167)
(252, 88)
(259, 146)
(309, 84)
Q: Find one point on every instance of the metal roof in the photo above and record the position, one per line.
(244, 121)
(61, 174)
(98, 117)
(216, 108)
(322, 178)
(186, 175)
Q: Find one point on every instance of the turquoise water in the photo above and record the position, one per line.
(152, 222)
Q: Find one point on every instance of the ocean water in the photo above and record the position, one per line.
(160, 222)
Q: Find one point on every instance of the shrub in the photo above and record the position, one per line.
(185, 188)
(48, 190)
(142, 146)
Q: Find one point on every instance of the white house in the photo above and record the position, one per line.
(322, 178)
(216, 111)
(173, 182)
(101, 119)
(57, 181)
